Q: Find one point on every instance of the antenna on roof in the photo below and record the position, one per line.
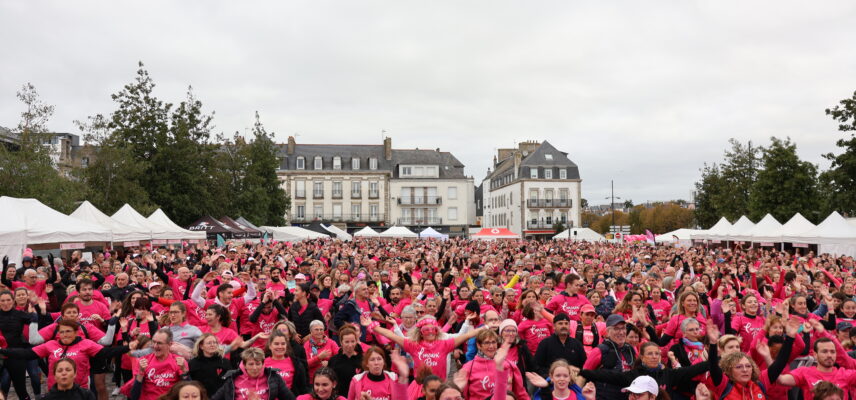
(382, 134)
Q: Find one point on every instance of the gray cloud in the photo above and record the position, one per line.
(642, 93)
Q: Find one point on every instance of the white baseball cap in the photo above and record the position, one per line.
(300, 276)
(643, 384)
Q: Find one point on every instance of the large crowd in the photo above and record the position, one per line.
(374, 319)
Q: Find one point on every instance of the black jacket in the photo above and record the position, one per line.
(12, 325)
(277, 390)
(209, 371)
(552, 349)
(75, 393)
(346, 367)
(302, 320)
(611, 356)
(680, 378)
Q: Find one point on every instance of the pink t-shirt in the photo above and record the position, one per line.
(38, 287)
(159, 376)
(81, 352)
(807, 377)
(533, 332)
(432, 354)
(94, 334)
(87, 311)
(285, 367)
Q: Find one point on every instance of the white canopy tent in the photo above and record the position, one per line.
(794, 230)
(834, 236)
(767, 230)
(719, 228)
(739, 228)
(28, 221)
(173, 231)
(340, 234)
(366, 232)
(585, 234)
(129, 216)
(291, 233)
(431, 233)
(120, 232)
(398, 232)
(679, 237)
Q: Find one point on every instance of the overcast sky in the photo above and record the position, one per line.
(638, 92)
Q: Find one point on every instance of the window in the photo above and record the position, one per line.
(355, 163)
(419, 171)
(453, 192)
(549, 157)
(373, 212)
(373, 192)
(318, 212)
(337, 190)
(337, 162)
(453, 214)
(548, 173)
(318, 163)
(301, 163)
(372, 163)
(406, 171)
(337, 211)
(563, 174)
(300, 189)
(355, 189)
(533, 173)
(318, 190)
(301, 212)
(356, 210)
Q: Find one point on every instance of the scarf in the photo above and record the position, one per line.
(314, 347)
(695, 350)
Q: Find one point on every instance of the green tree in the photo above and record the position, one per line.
(840, 179)
(708, 191)
(785, 185)
(260, 198)
(27, 169)
(738, 171)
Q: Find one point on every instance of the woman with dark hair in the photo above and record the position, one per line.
(12, 325)
(350, 358)
(64, 371)
(304, 310)
(218, 319)
(373, 379)
(281, 359)
(324, 386)
(186, 390)
(253, 377)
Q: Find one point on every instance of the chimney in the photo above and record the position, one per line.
(494, 161)
(290, 147)
(387, 148)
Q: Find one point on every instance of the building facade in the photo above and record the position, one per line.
(354, 186)
(531, 189)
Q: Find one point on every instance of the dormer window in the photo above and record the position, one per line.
(318, 162)
(301, 163)
(563, 174)
(549, 157)
(337, 162)
(355, 163)
(372, 163)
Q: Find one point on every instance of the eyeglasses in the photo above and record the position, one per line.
(488, 343)
(743, 366)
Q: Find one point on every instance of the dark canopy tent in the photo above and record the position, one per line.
(213, 227)
(317, 227)
(243, 221)
(249, 233)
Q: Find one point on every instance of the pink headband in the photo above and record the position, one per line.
(426, 321)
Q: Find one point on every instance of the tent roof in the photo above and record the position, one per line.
(721, 227)
(833, 229)
(586, 234)
(398, 232)
(430, 232)
(496, 233)
(795, 228)
(211, 226)
(120, 232)
(318, 227)
(246, 231)
(340, 234)
(682, 234)
(28, 221)
(366, 232)
(739, 228)
(129, 216)
(292, 233)
(243, 221)
(768, 229)
(173, 231)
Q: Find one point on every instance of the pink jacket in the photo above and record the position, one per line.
(481, 379)
(382, 390)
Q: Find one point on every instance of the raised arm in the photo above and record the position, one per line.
(366, 322)
(461, 339)
(196, 296)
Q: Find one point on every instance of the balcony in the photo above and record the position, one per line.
(337, 195)
(549, 203)
(543, 224)
(420, 221)
(356, 195)
(420, 201)
(362, 217)
(374, 195)
(317, 195)
(300, 194)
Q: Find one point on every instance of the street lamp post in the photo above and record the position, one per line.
(612, 201)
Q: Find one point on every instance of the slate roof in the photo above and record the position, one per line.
(450, 167)
(538, 159)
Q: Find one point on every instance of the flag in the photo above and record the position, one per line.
(220, 241)
(649, 236)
